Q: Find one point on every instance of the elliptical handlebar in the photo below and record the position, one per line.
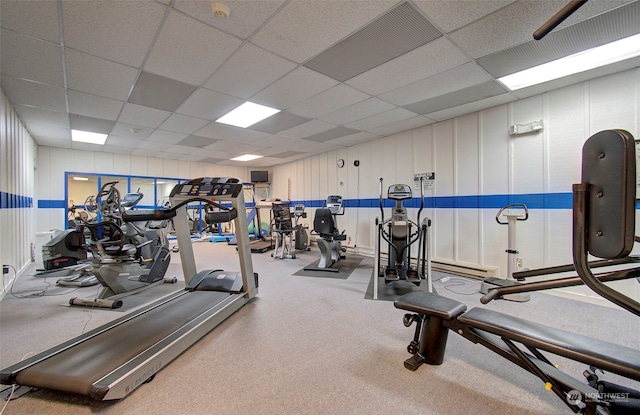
(381, 204)
(512, 206)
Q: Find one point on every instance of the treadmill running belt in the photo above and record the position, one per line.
(76, 369)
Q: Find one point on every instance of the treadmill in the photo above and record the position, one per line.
(111, 361)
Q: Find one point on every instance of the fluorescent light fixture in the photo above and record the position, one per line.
(247, 114)
(613, 52)
(80, 179)
(88, 137)
(246, 157)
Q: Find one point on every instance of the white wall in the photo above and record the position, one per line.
(17, 164)
(474, 155)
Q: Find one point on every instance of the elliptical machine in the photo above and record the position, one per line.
(401, 233)
(129, 256)
(301, 236)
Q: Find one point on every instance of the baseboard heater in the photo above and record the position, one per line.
(467, 270)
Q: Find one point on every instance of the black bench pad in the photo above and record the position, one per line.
(601, 354)
(430, 304)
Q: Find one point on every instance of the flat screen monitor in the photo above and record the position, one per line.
(259, 176)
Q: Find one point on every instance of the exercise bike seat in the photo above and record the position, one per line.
(124, 250)
(598, 353)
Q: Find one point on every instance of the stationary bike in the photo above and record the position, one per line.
(128, 256)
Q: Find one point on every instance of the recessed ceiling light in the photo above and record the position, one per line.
(88, 137)
(247, 114)
(80, 179)
(246, 157)
(613, 52)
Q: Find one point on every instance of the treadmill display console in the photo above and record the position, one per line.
(207, 187)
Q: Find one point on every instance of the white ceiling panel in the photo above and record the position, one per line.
(94, 106)
(154, 145)
(34, 94)
(183, 124)
(451, 15)
(28, 58)
(387, 117)
(177, 68)
(304, 28)
(98, 76)
(37, 18)
(293, 88)
(163, 136)
(328, 101)
(184, 39)
(208, 105)
(428, 60)
(144, 116)
(121, 31)
(42, 116)
(459, 77)
(367, 108)
(248, 71)
(244, 19)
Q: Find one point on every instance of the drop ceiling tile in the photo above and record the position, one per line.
(232, 147)
(115, 141)
(117, 149)
(34, 18)
(211, 160)
(144, 116)
(244, 19)
(96, 125)
(394, 33)
(52, 142)
(31, 59)
(293, 88)
(286, 154)
(328, 135)
(248, 71)
(428, 60)
(277, 142)
(179, 149)
(208, 105)
(42, 116)
(50, 134)
(35, 94)
(279, 122)
(460, 77)
(505, 27)
(145, 152)
(90, 74)
(387, 117)
(154, 146)
(184, 39)
(490, 102)
(121, 31)
(404, 125)
(196, 141)
(302, 29)
(94, 106)
(456, 98)
(159, 92)
(163, 136)
(617, 24)
(367, 108)
(86, 146)
(307, 129)
(353, 139)
(328, 101)
(183, 124)
(451, 15)
(221, 131)
(136, 132)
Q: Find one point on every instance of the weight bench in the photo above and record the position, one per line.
(604, 225)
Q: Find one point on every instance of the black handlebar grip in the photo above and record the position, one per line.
(491, 295)
(139, 215)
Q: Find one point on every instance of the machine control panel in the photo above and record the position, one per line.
(334, 203)
(399, 192)
(225, 187)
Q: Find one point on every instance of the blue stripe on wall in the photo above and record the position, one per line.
(11, 201)
(51, 204)
(533, 201)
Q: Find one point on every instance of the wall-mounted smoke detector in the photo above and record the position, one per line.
(220, 11)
